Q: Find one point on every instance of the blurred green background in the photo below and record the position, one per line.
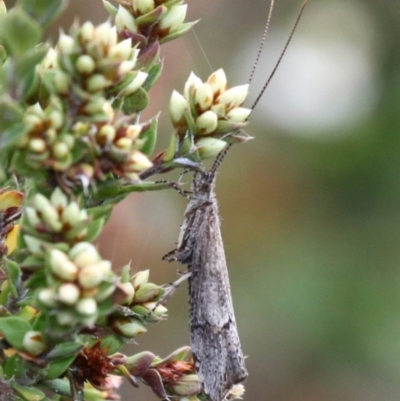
(310, 207)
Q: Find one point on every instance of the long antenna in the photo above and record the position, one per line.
(262, 43)
(282, 54)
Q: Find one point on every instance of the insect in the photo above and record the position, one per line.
(215, 342)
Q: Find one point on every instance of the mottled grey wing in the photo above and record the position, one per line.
(214, 337)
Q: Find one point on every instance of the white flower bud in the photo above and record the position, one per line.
(191, 84)
(33, 343)
(203, 97)
(62, 267)
(217, 80)
(32, 216)
(71, 214)
(48, 212)
(143, 6)
(97, 82)
(121, 50)
(86, 306)
(60, 150)
(125, 67)
(37, 145)
(86, 31)
(61, 82)
(138, 162)
(84, 253)
(135, 84)
(130, 293)
(233, 97)
(140, 278)
(107, 132)
(58, 199)
(238, 114)
(65, 44)
(48, 297)
(68, 293)
(124, 19)
(106, 35)
(177, 106)
(90, 276)
(209, 147)
(128, 327)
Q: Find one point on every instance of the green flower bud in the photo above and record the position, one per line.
(157, 310)
(209, 147)
(86, 306)
(177, 107)
(142, 6)
(137, 162)
(56, 118)
(140, 278)
(138, 364)
(207, 122)
(124, 143)
(97, 83)
(62, 267)
(32, 216)
(73, 215)
(125, 67)
(95, 105)
(48, 212)
(147, 292)
(90, 276)
(61, 82)
(128, 327)
(203, 97)
(233, 97)
(121, 50)
(68, 293)
(33, 343)
(85, 64)
(106, 34)
(218, 82)
(173, 18)
(34, 245)
(86, 32)
(191, 84)
(65, 318)
(60, 150)
(106, 134)
(187, 385)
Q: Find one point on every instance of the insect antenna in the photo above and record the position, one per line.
(280, 57)
(217, 163)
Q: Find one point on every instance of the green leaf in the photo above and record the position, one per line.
(10, 113)
(56, 368)
(100, 211)
(14, 275)
(136, 102)
(25, 65)
(94, 229)
(15, 367)
(14, 330)
(154, 73)
(64, 350)
(150, 138)
(110, 8)
(19, 32)
(11, 137)
(43, 11)
(29, 393)
(112, 344)
(59, 386)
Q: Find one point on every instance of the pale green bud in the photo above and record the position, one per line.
(85, 64)
(187, 385)
(72, 214)
(217, 80)
(51, 135)
(125, 67)
(133, 131)
(50, 60)
(32, 216)
(107, 132)
(138, 162)
(124, 143)
(140, 278)
(173, 18)
(61, 82)
(135, 84)
(128, 327)
(95, 105)
(58, 199)
(86, 306)
(158, 310)
(97, 83)
(209, 147)
(104, 266)
(84, 253)
(147, 292)
(203, 97)
(34, 245)
(143, 6)
(65, 44)
(65, 318)
(90, 276)
(177, 106)
(121, 50)
(3, 8)
(219, 110)
(129, 291)
(233, 97)
(33, 343)
(238, 114)
(124, 19)
(68, 293)
(191, 84)
(62, 267)
(56, 118)
(48, 212)
(37, 145)
(60, 150)
(106, 35)
(47, 296)
(32, 120)
(86, 32)
(207, 122)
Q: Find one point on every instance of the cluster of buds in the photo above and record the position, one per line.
(80, 281)
(173, 376)
(10, 210)
(90, 64)
(55, 219)
(208, 115)
(45, 143)
(140, 305)
(149, 21)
